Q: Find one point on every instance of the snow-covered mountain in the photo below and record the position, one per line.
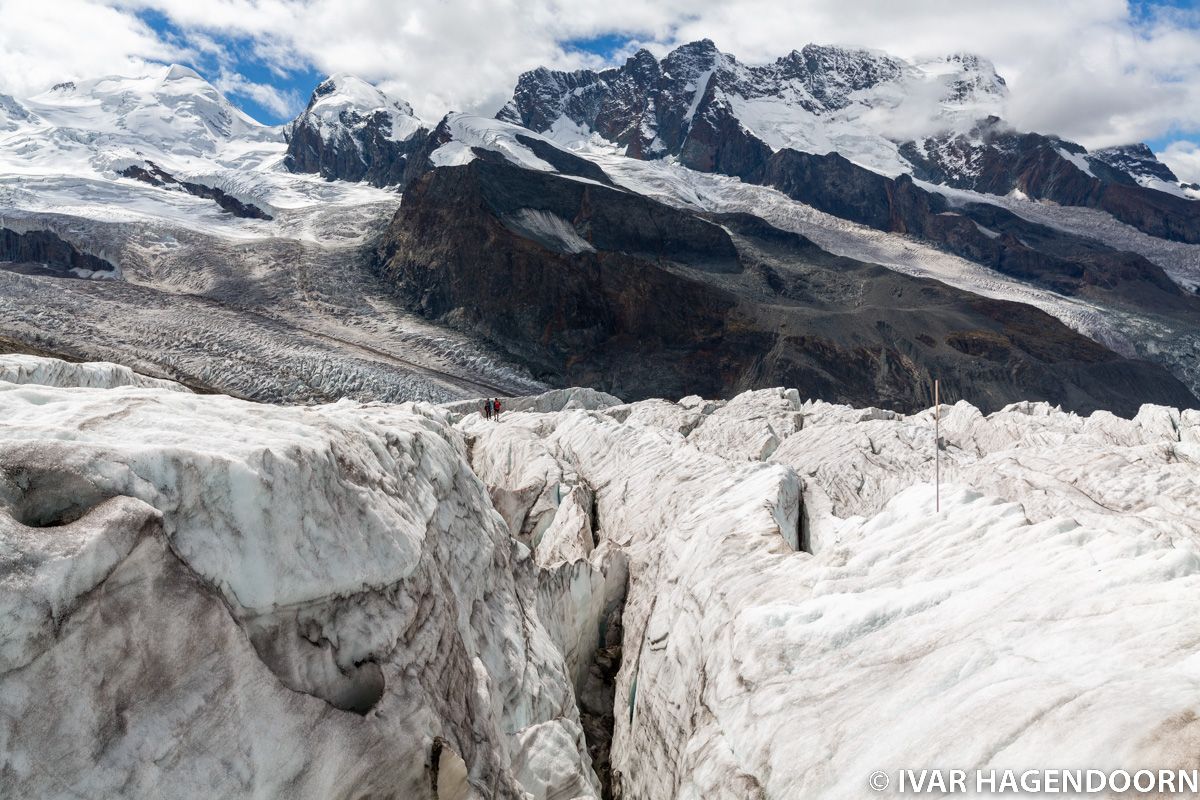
(1136, 161)
(353, 131)
(215, 210)
(939, 120)
(816, 99)
(213, 598)
(88, 133)
(173, 107)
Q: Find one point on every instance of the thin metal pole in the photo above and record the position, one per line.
(937, 446)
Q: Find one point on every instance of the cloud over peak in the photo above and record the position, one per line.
(1101, 72)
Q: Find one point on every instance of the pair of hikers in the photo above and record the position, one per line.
(491, 408)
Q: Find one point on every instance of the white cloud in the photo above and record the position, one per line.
(43, 43)
(1184, 160)
(1090, 70)
(282, 103)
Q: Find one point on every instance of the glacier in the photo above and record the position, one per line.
(279, 310)
(206, 596)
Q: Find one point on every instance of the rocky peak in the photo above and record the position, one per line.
(346, 100)
(351, 130)
(643, 66)
(542, 96)
(688, 61)
(832, 72)
(689, 103)
(1137, 161)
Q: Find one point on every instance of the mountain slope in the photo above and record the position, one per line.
(221, 230)
(593, 285)
(233, 273)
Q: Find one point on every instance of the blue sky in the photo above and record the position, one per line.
(239, 55)
(1145, 9)
(606, 46)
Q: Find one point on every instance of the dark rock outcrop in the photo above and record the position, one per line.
(590, 285)
(157, 176)
(49, 250)
(1131, 161)
(981, 232)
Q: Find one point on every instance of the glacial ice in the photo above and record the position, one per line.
(15, 368)
(209, 597)
(263, 601)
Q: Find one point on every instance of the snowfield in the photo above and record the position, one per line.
(703, 599)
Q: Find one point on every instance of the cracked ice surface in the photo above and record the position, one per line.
(1045, 616)
(16, 368)
(210, 597)
(200, 592)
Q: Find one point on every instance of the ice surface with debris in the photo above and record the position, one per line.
(244, 600)
(94, 375)
(249, 600)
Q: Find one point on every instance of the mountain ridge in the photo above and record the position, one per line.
(826, 99)
(258, 184)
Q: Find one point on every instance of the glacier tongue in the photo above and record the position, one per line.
(209, 597)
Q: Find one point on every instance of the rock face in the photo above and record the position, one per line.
(351, 131)
(207, 597)
(981, 232)
(1136, 161)
(715, 113)
(592, 285)
(12, 113)
(994, 159)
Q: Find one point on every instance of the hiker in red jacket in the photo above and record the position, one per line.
(496, 408)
